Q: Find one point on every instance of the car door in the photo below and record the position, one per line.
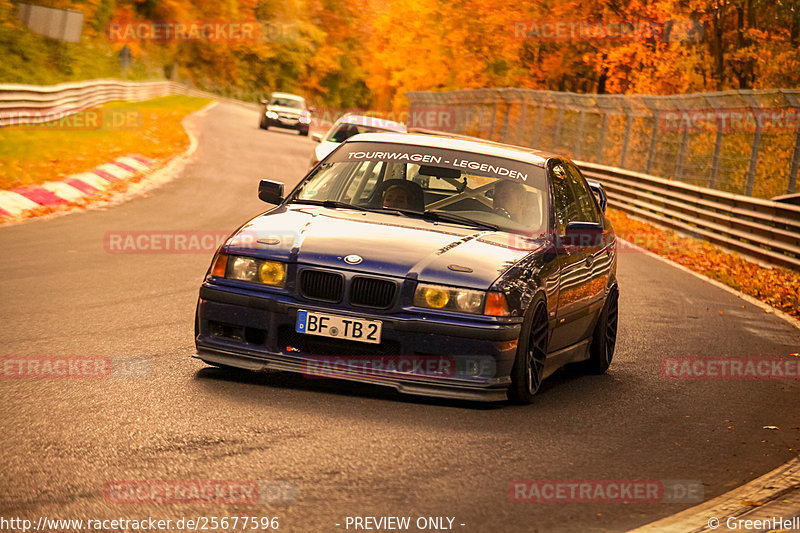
(598, 253)
(574, 317)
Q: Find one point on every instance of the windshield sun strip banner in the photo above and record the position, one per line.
(468, 162)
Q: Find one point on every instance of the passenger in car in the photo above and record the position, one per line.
(508, 199)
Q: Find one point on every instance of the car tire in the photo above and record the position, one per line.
(263, 124)
(528, 369)
(604, 337)
(304, 133)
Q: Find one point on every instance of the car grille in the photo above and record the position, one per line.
(372, 292)
(319, 285)
(292, 341)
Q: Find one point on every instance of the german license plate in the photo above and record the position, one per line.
(338, 327)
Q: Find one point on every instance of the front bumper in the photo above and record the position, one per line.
(256, 332)
(288, 123)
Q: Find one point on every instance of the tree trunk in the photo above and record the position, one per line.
(716, 45)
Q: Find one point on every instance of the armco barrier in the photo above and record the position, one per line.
(767, 230)
(764, 229)
(29, 104)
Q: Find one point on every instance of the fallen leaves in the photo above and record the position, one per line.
(32, 155)
(776, 286)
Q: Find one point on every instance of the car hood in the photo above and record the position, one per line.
(389, 245)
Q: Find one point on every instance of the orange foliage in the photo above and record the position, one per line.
(369, 53)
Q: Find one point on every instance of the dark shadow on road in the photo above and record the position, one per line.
(289, 380)
(285, 131)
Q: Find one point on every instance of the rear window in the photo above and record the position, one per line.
(344, 131)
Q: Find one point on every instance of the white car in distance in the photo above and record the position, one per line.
(346, 127)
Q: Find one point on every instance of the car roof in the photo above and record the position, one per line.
(376, 122)
(287, 95)
(462, 143)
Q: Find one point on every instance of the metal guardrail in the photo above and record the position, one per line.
(30, 104)
(759, 228)
(741, 141)
(763, 229)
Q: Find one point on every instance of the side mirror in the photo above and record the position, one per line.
(599, 193)
(263, 101)
(270, 192)
(583, 234)
(317, 137)
(312, 109)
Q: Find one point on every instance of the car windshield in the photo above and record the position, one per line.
(344, 131)
(287, 102)
(446, 185)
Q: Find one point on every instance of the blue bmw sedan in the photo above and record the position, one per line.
(437, 265)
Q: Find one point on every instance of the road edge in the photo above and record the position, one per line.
(760, 494)
(761, 491)
(94, 188)
(746, 297)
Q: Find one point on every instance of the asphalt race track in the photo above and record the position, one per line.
(351, 450)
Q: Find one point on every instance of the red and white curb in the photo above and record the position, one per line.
(17, 202)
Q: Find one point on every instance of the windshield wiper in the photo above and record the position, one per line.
(453, 217)
(439, 216)
(447, 216)
(334, 204)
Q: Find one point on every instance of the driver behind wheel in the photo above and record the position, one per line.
(398, 194)
(508, 199)
(396, 197)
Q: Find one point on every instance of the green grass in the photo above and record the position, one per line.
(32, 59)
(34, 154)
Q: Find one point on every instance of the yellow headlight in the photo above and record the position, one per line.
(272, 273)
(436, 298)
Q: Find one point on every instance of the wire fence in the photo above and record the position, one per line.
(743, 142)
